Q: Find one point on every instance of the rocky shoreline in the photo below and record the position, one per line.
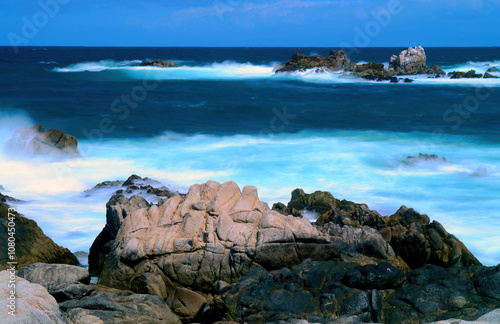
(220, 254)
(411, 61)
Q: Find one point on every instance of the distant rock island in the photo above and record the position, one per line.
(159, 63)
(218, 254)
(411, 61)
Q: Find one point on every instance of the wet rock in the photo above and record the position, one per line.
(159, 63)
(471, 74)
(434, 69)
(335, 61)
(35, 141)
(490, 76)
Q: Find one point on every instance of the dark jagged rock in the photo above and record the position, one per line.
(410, 234)
(375, 72)
(335, 61)
(419, 242)
(320, 202)
(434, 69)
(406, 80)
(332, 291)
(493, 69)
(281, 208)
(159, 63)
(380, 277)
(490, 76)
(34, 141)
(471, 74)
(31, 243)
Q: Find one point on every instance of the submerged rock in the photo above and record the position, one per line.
(35, 141)
(159, 63)
(412, 159)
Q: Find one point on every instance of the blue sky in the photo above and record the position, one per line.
(294, 23)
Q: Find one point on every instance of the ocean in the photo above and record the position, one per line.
(224, 115)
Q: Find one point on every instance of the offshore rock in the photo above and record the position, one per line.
(35, 141)
(159, 63)
(335, 61)
(409, 61)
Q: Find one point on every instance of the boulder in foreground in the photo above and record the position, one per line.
(33, 303)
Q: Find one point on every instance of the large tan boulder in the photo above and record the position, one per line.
(215, 232)
(33, 303)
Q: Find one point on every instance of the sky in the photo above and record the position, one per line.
(279, 23)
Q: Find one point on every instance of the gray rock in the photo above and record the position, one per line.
(72, 291)
(409, 61)
(54, 276)
(112, 308)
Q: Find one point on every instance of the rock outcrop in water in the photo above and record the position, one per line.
(35, 141)
(410, 61)
(31, 243)
(159, 63)
(337, 60)
(471, 74)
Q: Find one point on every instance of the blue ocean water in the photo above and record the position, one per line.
(224, 115)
